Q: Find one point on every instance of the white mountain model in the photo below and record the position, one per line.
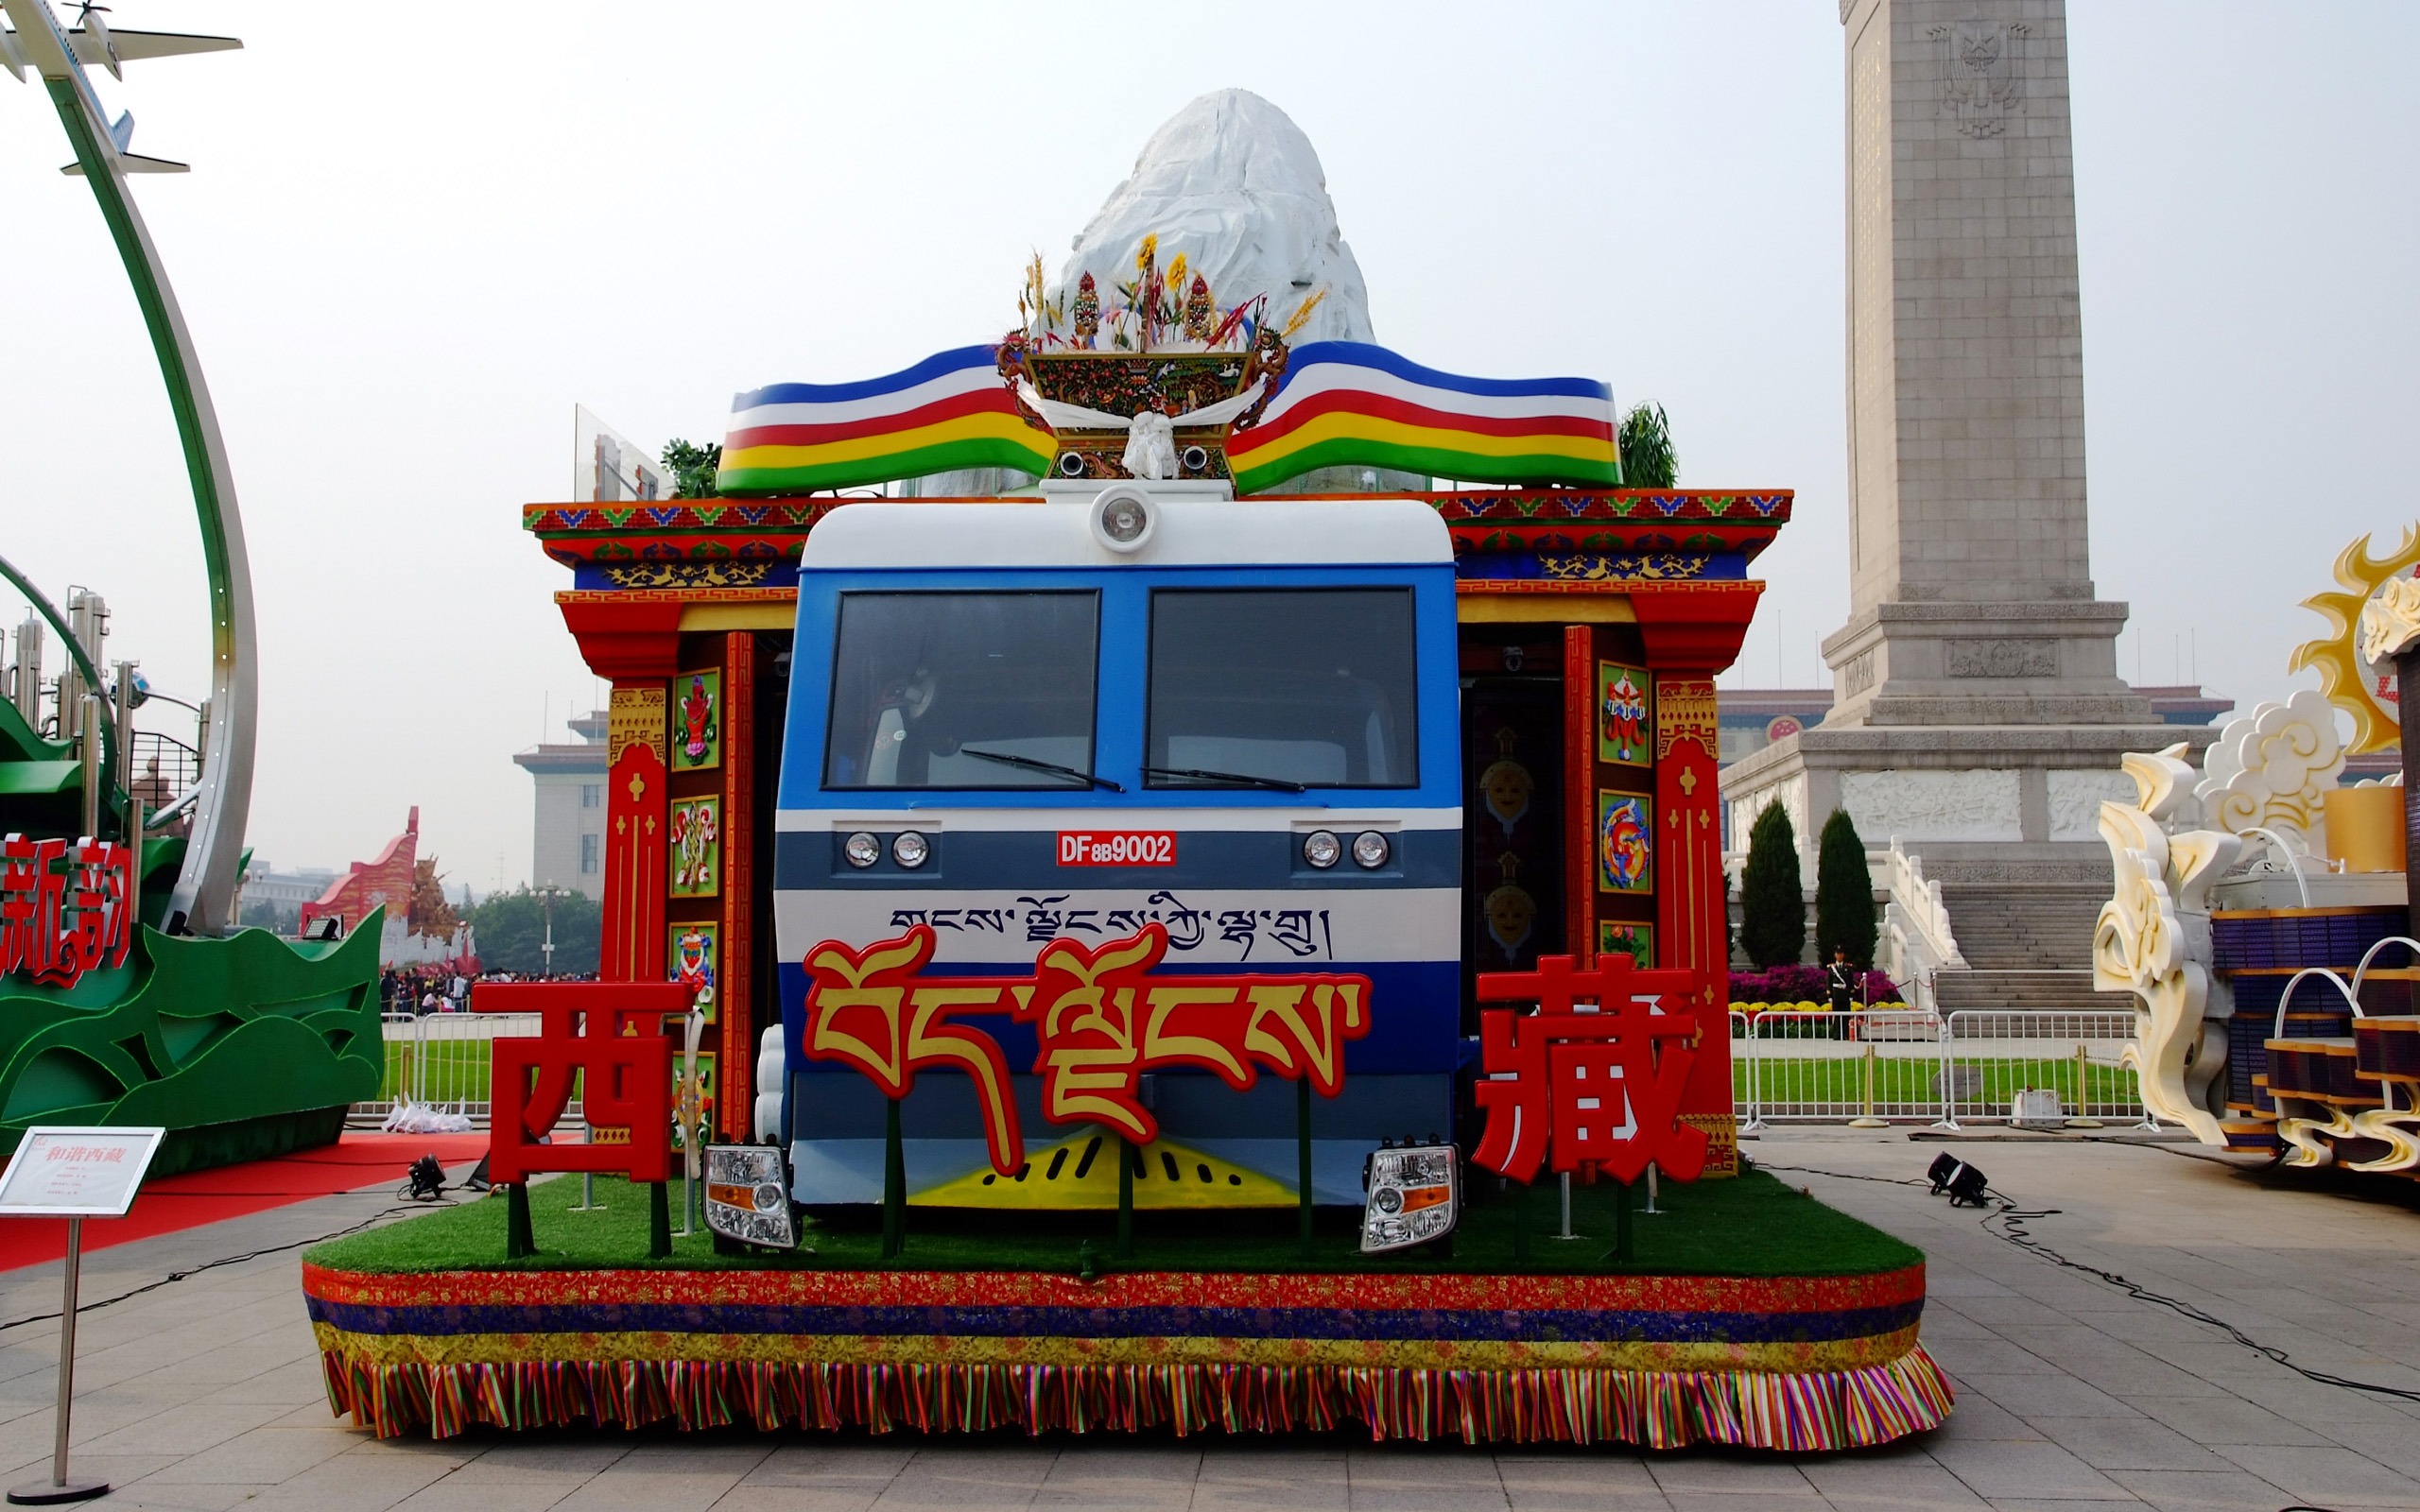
(1234, 184)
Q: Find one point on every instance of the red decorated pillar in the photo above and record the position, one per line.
(734, 993)
(1691, 911)
(1580, 792)
(1692, 630)
(636, 646)
(633, 949)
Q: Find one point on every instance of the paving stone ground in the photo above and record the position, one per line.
(205, 1395)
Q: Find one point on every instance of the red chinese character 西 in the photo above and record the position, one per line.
(611, 1036)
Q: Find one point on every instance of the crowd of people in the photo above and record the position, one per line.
(430, 990)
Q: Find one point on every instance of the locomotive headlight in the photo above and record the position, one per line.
(910, 849)
(862, 849)
(1321, 848)
(1122, 518)
(1370, 850)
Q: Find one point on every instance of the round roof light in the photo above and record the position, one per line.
(1122, 518)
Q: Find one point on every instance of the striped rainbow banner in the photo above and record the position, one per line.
(948, 411)
(1347, 403)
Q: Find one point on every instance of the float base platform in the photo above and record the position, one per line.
(1447, 1348)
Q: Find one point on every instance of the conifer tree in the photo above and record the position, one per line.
(1772, 901)
(1843, 894)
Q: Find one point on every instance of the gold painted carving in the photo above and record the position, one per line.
(1684, 710)
(635, 719)
(716, 574)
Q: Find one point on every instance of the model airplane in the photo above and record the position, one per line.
(39, 47)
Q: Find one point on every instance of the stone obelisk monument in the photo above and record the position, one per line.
(1977, 713)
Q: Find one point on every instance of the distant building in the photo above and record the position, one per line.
(567, 845)
(265, 884)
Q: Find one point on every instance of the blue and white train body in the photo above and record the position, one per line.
(1011, 724)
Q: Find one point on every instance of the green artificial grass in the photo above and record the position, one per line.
(1910, 1082)
(1752, 1226)
(442, 1071)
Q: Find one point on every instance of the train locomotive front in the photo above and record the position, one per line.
(1015, 722)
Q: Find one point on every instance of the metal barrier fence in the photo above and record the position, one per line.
(1888, 1065)
(1879, 1067)
(438, 1061)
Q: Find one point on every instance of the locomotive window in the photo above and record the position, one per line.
(922, 681)
(1285, 686)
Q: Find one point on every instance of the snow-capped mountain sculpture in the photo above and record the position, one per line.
(1234, 184)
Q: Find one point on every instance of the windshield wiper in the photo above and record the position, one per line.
(1031, 764)
(1208, 776)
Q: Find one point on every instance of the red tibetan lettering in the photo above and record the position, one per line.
(871, 1009)
(1103, 1020)
(1594, 1078)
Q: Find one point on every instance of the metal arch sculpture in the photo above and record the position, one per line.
(205, 886)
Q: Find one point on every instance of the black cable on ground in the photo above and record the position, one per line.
(2012, 1220)
(229, 1259)
(1846, 1175)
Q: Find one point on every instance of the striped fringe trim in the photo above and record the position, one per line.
(1795, 1412)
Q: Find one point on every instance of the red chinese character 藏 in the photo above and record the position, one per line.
(1594, 1077)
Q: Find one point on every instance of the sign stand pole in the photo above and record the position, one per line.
(58, 1487)
(73, 1172)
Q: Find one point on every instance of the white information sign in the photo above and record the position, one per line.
(76, 1173)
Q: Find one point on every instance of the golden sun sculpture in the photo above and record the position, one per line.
(2348, 682)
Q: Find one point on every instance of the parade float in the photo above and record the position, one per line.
(1191, 944)
(2262, 909)
(126, 994)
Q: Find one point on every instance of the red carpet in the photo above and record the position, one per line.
(178, 1202)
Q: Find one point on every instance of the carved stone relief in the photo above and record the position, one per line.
(2007, 657)
(1859, 674)
(1978, 804)
(1980, 85)
(2076, 798)
(1791, 793)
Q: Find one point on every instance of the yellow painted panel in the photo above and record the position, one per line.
(1538, 608)
(1051, 1180)
(761, 616)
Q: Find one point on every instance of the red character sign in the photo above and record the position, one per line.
(1101, 1015)
(610, 1033)
(63, 908)
(1595, 1076)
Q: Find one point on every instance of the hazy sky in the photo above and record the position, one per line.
(414, 238)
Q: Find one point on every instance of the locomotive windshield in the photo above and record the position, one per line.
(921, 683)
(1291, 687)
